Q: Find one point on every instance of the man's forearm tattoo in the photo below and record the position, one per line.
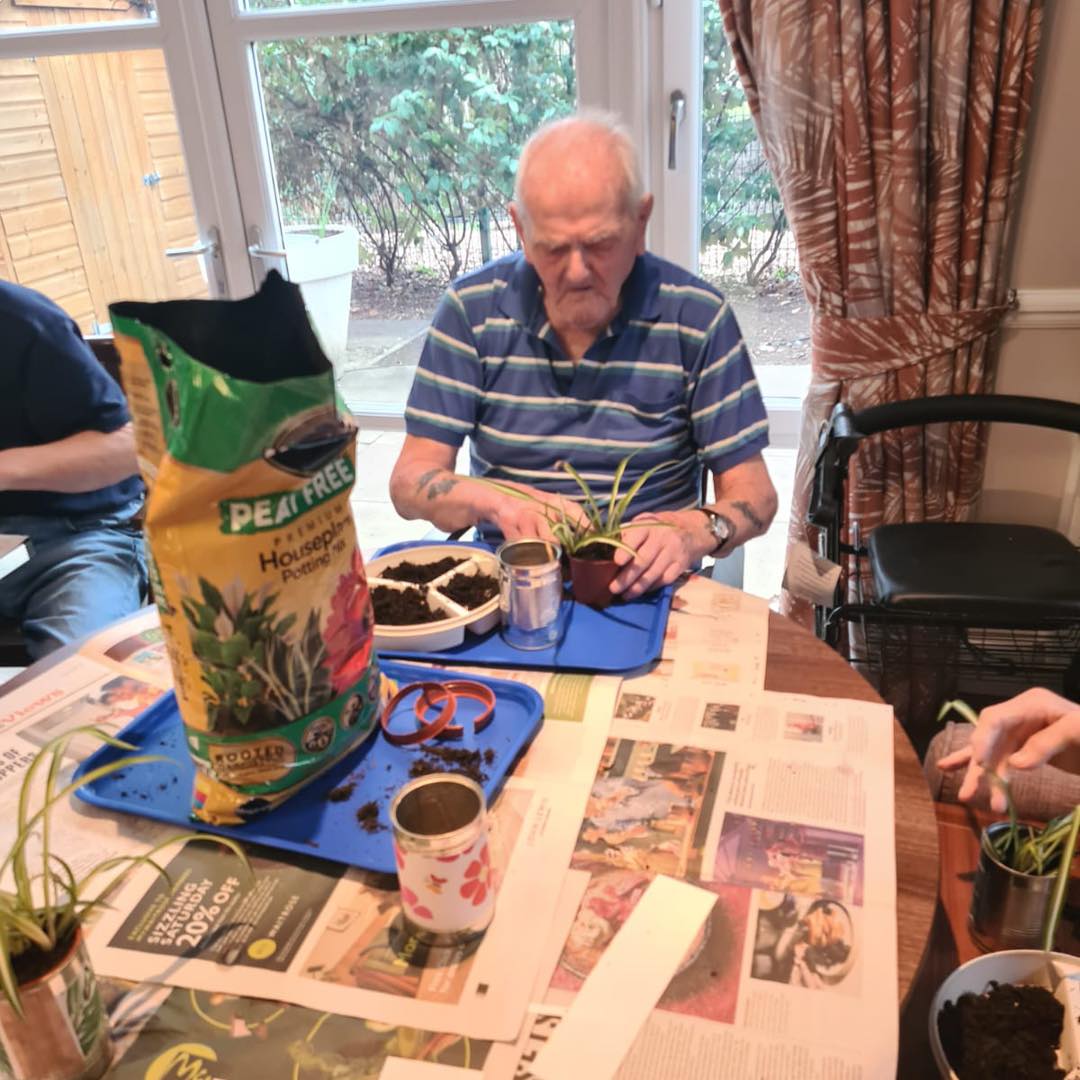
(441, 487)
(747, 512)
(427, 478)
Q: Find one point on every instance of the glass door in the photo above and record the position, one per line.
(721, 214)
(97, 199)
(375, 146)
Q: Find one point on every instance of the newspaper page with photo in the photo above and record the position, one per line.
(782, 806)
(79, 691)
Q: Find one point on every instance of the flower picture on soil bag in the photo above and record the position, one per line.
(260, 588)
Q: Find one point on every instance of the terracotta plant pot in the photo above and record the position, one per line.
(590, 580)
(64, 1032)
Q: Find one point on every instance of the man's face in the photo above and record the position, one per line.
(582, 240)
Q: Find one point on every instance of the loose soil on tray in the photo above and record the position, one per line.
(451, 759)
(470, 591)
(1007, 1033)
(342, 793)
(420, 573)
(367, 817)
(402, 607)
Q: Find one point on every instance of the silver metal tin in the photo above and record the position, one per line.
(1008, 909)
(530, 592)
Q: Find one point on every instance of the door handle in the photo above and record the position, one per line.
(677, 107)
(210, 246)
(257, 251)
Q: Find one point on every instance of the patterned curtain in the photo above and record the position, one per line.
(895, 131)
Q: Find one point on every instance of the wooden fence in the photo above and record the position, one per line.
(92, 180)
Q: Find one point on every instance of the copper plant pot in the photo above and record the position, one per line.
(590, 580)
(64, 1031)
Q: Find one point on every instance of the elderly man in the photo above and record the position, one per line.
(68, 478)
(584, 347)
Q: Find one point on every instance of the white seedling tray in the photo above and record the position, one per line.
(448, 632)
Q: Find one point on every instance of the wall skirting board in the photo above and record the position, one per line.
(1045, 309)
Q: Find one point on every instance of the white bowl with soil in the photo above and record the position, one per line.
(427, 597)
(1022, 969)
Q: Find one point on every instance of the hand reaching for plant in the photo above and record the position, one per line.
(523, 519)
(1034, 728)
(662, 553)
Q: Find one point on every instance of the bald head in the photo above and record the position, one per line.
(577, 154)
(581, 218)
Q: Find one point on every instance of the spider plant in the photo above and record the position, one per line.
(1028, 849)
(603, 515)
(47, 901)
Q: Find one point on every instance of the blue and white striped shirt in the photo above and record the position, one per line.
(669, 380)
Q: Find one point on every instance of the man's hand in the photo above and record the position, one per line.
(424, 485)
(666, 545)
(524, 518)
(1033, 728)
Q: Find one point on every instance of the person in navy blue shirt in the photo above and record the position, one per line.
(68, 478)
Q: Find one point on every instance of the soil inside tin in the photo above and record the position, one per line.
(1008, 1032)
(470, 591)
(420, 573)
(402, 607)
(32, 963)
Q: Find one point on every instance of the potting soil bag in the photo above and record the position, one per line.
(248, 462)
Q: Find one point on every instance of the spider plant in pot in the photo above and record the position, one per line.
(590, 542)
(52, 1022)
(1002, 1014)
(1022, 869)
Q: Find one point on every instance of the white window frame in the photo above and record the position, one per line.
(235, 30)
(675, 30)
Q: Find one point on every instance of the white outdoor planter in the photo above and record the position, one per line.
(323, 268)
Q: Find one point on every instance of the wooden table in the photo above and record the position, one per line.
(800, 664)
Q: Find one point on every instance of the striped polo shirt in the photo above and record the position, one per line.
(669, 381)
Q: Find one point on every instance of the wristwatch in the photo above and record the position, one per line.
(719, 526)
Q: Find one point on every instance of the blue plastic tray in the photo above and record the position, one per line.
(308, 823)
(624, 636)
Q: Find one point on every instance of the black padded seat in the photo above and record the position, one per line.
(1003, 573)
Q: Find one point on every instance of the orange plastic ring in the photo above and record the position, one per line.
(455, 688)
(427, 729)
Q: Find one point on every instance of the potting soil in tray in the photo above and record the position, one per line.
(343, 815)
(420, 573)
(470, 590)
(621, 637)
(1007, 1033)
(402, 607)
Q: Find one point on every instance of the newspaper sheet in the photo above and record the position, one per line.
(82, 690)
(782, 806)
(304, 931)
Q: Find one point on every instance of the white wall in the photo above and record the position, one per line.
(1034, 475)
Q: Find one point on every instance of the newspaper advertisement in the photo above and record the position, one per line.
(782, 806)
(312, 933)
